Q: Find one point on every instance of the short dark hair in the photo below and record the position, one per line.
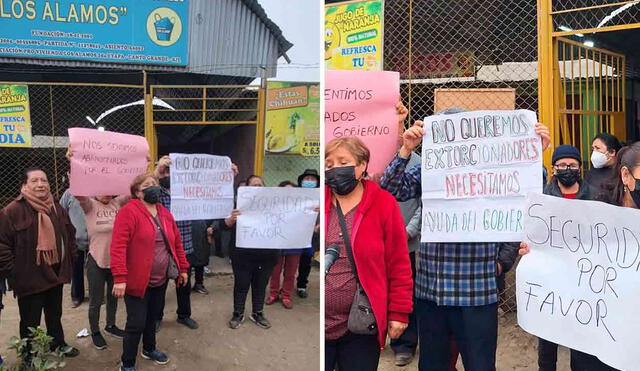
(25, 173)
(285, 183)
(612, 143)
(254, 176)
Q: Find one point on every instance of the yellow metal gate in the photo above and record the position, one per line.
(581, 88)
(590, 94)
(206, 105)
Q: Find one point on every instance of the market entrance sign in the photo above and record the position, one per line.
(117, 31)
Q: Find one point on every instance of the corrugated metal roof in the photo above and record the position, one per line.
(226, 37)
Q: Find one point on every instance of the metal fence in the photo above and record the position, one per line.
(56, 108)
(278, 168)
(443, 44)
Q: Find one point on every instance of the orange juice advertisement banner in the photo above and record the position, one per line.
(293, 118)
(15, 120)
(353, 35)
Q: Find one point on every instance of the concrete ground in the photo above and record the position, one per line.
(291, 344)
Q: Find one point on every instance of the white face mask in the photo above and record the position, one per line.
(599, 159)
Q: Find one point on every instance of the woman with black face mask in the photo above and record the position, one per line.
(146, 252)
(566, 183)
(364, 224)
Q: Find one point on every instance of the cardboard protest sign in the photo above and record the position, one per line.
(477, 168)
(276, 218)
(579, 286)
(104, 163)
(201, 186)
(363, 104)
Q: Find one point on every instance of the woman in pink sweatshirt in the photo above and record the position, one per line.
(100, 214)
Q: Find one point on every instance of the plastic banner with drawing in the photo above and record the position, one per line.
(579, 285)
(477, 168)
(353, 37)
(201, 186)
(276, 217)
(15, 119)
(293, 118)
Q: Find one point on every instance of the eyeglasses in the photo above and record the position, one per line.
(565, 167)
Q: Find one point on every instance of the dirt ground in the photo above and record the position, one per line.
(291, 344)
(517, 350)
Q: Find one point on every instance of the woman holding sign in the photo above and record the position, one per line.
(368, 287)
(146, 251)
(566, 183)
(251, 270)
(99, 214)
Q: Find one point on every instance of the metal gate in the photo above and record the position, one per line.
(590, 99)
(582, 88)
(198, 105)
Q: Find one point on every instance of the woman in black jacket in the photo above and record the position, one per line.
(566, 183)
(251, 270)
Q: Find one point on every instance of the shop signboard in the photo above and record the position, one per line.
(15, 120)
(117, 31)
(293, 118)
(354, 35)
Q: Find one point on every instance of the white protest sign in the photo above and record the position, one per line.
(580, 285)
(276, 218)
(201, 186)
(477, 168)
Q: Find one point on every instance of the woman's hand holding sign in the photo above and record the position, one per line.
(411, 138)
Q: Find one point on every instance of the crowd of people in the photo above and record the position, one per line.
(132, 246)
(443, 296)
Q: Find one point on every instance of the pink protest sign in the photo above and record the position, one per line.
(104, 163)
(363, 104)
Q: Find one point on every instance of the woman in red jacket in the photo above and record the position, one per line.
(146, 251)
(378, 240)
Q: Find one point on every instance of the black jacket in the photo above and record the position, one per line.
(201, 246)
(584, 192)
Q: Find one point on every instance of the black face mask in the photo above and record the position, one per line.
(635, 194)
(152, 194)
(342, 180)
(165, 182)
(568, 177)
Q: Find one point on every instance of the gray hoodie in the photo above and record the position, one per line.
(412, 213)
(76, 214)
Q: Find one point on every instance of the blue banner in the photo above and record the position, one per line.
(118, 31)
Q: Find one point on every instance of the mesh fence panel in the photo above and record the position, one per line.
(56, 108)
(472, 44)
(278, 168)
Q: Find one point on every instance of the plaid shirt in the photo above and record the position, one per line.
(184, 227)
(452, 274)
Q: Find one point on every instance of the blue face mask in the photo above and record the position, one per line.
(309, 184)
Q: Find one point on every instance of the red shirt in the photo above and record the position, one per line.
(571, 196)
(340, 283)
(160, 263)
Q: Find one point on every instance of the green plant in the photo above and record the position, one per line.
(35, 354)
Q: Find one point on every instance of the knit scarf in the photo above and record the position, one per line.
(46, 250)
